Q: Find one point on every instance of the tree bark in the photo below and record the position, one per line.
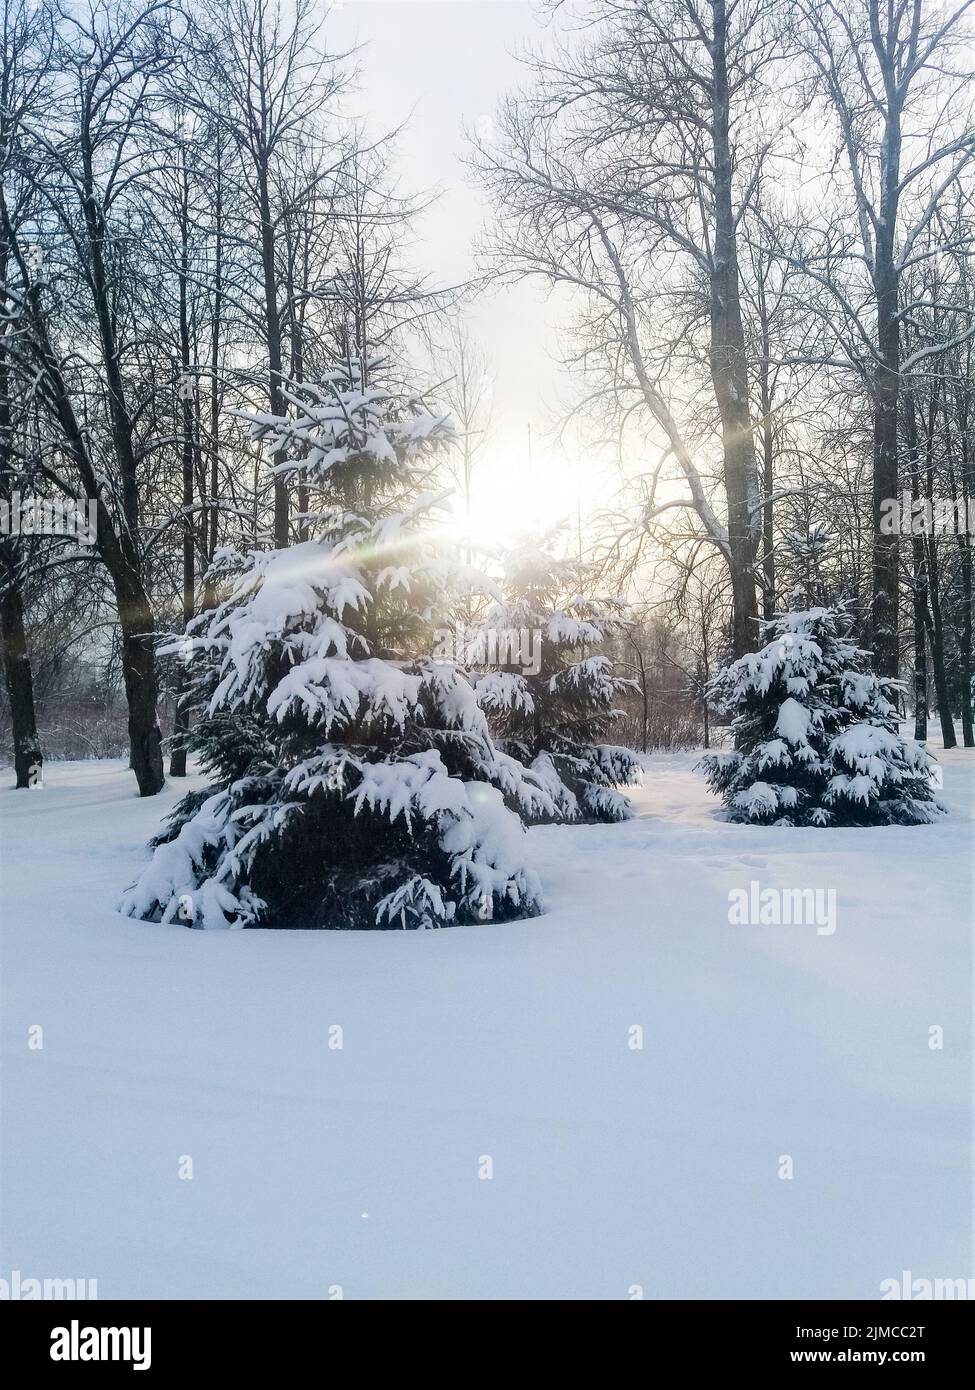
(188, 386)
(884, 607)
(13, 637)
(297, 343)
(728, 360)
(18, 676)
(209, 597)
(938, 648)
(962, 397)
(967, 730)
(272, 327)
(886, 381)
(920, 604)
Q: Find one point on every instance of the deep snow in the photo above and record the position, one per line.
(315, 1167)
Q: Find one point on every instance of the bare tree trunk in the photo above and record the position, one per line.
(886, 283)
(919, 592)
(967, 731)
(920, 604)
(938, 648)
(645, 699)
(768, 517)
(139, 674)
(729, 363)
(298, 376)
(272, 329)
(213, 514)
(934, 606)
(18, 675)
(965, 545)
(13, 637)
(187, 394)
(705, 678)
(884, 609)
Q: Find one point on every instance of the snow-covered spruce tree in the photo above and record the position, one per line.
(352, 784)
(548, 693)
(816, 733)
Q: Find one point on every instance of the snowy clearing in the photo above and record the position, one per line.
(613, 1167)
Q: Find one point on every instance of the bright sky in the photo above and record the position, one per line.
(443, 65)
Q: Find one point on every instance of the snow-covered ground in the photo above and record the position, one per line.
(613, 1166)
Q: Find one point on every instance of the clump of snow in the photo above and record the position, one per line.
(793, 722)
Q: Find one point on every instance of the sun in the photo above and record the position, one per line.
(509, 500)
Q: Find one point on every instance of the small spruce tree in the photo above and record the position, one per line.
(549, 691)
(816, 734)
(354, 783)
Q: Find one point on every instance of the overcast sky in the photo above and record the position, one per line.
(441, 65)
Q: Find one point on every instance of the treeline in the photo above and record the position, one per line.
(760, 214)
